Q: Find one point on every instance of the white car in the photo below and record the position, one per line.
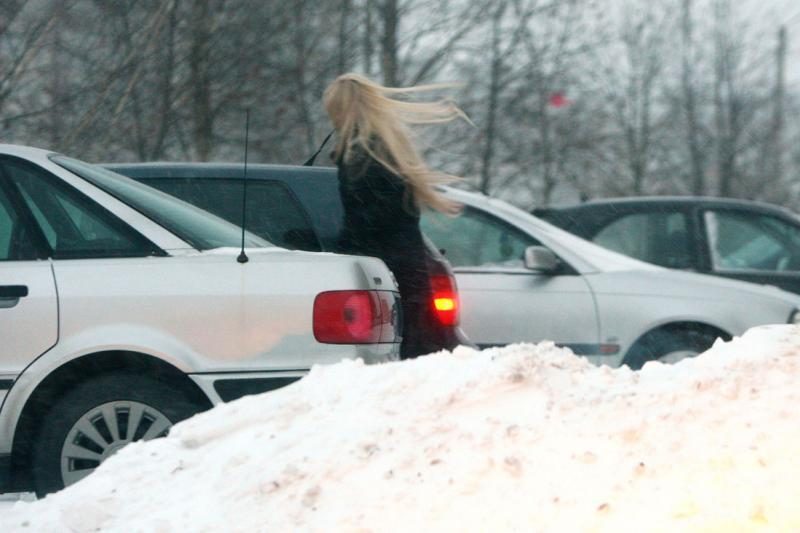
(522, 279)
(124, 310)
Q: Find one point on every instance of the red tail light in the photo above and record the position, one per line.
(355, 317)
(445, 299)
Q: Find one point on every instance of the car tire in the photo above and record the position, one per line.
(668, 346)
(95, 419)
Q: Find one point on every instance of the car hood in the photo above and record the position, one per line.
(680, 284)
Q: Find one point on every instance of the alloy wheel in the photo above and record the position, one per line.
(103, 431)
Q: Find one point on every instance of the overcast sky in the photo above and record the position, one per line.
(787, 12)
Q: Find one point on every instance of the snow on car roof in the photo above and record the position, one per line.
(25, 151)
(517, 438)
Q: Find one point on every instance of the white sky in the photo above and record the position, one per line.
(775, 13)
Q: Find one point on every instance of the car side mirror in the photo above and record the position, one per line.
(541, 259)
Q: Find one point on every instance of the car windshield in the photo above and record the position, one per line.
(199, 228)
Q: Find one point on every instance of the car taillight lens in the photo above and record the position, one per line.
(445, 299)
(355, 317)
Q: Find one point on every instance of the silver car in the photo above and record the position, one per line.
(124, 310)
(524, 280)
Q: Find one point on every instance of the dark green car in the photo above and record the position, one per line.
(740, 239)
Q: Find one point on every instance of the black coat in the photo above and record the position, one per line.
(382, 220)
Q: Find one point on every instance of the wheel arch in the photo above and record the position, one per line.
(78, 370)
(670, 327)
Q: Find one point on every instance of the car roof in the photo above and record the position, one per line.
(663, 203)
(189, 165)
(668, 200)
(29, 152)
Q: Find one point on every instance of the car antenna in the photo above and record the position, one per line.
(310, 162)
(243, 256)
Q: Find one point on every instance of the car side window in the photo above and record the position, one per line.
(15, 241)
(746, 241)
(658, 238)
(475, 238)
(273, 212)
(74, 226)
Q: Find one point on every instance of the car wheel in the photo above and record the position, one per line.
(97, 418)
(668, 346)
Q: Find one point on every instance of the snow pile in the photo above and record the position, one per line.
(527, 437)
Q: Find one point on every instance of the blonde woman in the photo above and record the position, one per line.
(384, 183)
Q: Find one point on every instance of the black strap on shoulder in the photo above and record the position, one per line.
(310, 162)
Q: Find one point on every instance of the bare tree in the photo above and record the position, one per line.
(389, 11)
(737, 104)
(22, 34)
(495, 82)
(345, 26)
(199, 59)
(554, 37)
(775, 142)
(642, 44)
(367, 36)
(688, 83)
(568, 98)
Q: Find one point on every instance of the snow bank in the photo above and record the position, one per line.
(527, 437)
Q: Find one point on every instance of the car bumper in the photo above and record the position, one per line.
(456, 337)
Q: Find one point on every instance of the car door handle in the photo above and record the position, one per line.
(13, 291)
(10, 295)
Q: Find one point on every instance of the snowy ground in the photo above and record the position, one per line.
(527, 438)
(7, 500)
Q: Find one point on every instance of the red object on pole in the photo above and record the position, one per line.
(558, 99)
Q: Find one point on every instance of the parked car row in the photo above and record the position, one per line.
(127, 309)
(519, 278)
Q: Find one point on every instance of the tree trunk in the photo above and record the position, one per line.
(199, 59)
(690, 105)
(56, 87)
(776, 140)
(166, 89)
(548, 156)
(491, 112)
(390, 16)
(301, 85)
(725, 105)
(367, 47)
(343, 56)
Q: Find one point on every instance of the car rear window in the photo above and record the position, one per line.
(199, 228)
(273, 212)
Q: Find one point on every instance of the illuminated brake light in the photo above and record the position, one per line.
(444, 304)
(445, 299)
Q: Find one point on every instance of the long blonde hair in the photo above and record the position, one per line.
(366, 117)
